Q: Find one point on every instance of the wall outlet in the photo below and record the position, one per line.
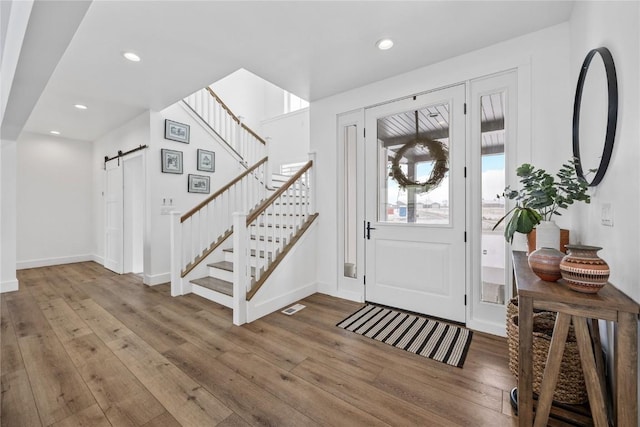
(606, 215)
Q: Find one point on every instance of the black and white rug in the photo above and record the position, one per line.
(417, 334)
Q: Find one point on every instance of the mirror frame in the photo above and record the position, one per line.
(612, 85)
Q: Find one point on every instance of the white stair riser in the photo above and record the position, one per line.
(221, 274)
(228, 256)
(214, 296)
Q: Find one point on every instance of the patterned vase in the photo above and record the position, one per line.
(583, 270)
(545, 263)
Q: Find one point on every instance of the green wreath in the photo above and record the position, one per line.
(438, 151)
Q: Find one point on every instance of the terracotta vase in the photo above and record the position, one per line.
(583, 270)
(545, 263)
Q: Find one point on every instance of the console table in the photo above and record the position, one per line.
(608, 304)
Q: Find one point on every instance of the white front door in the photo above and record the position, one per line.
(415, 239)
(113, 217)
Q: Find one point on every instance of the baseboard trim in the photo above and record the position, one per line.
(46, 262)
(499, 329)
(256, 311)
(9, 286)
(98, 259)
(156, 279)
(350, 295)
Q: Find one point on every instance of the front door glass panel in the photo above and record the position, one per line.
(413, 166)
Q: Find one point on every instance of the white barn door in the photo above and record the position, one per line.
(113, 217)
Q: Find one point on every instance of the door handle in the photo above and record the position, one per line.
(369, 228)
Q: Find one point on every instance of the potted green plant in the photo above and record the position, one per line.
(541, 197)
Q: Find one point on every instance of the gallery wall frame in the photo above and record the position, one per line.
(198, 184)
(206, 161)
(171, 161)
(176, 131)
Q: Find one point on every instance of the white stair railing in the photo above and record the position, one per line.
(270, 231)
(244, 141)
(197, 233)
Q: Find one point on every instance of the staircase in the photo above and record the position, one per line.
(226, 248)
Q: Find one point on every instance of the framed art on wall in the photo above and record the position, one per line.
(206, 161)
(171, 161)
(176, 131)
(198, 184)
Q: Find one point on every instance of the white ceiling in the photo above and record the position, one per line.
(313, 49)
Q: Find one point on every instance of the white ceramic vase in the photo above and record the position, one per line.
(547, 235)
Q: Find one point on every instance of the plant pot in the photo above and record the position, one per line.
(583, 270)
(545, 263)
(547, 235)
(564, 240)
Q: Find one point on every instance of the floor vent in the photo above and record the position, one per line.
(293, 309)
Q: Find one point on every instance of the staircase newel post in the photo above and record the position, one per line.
(176, 254)
(240, 266)
(312, 182)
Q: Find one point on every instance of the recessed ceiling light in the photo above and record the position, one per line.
(131, 56)
(80, 106)
(384, 44)
(442, 122)
(54, 132)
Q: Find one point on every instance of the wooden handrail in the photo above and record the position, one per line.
(234, 117)
(252, 217)
(255, 135)
(221, 102)
(222, 190)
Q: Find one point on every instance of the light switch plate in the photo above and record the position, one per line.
(606, 216)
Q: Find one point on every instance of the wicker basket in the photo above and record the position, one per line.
(512, 335)
(570, 387)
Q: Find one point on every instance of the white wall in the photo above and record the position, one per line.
(251, 97)
(172, 186)
(54, 224)
(289, 138)
(615, 26)
(8, 155)
(544, 119)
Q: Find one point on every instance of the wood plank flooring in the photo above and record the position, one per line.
(83, 346)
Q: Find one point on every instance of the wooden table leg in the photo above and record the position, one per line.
(591, 379)
(552, 368)
(525, 361)
(626, 366)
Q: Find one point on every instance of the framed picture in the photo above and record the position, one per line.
(198, 184)
(176, 131)
(171, 161)
(206, 161)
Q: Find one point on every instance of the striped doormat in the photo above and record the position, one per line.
(417, 334)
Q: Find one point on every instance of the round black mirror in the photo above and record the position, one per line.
(595, 115)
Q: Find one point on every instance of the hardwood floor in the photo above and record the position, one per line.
(83, 346)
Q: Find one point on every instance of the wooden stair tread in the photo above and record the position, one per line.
(214, 284)
(228, 266)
